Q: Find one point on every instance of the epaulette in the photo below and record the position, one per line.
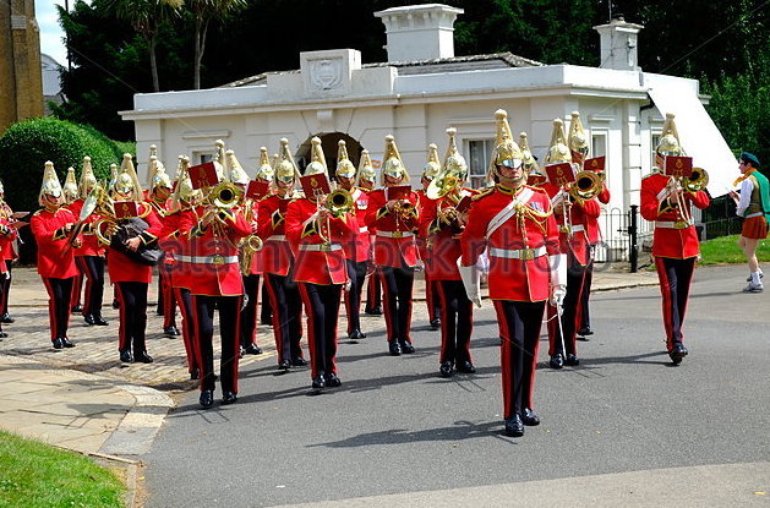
(536, 188)
(38, 212)
(483, 193)
(655, 171)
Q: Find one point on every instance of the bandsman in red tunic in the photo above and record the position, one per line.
(427, 207)
(358, 249)
(70, 193)
(216, 282)
(366, 180)
(570, 212)
(675, 242)
(318, 232)
(7, 255)
(514, 222)
(51, 228)
(442, 224)
(393, 213)
(278, 263)
(89, 257)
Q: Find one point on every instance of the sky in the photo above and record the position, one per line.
(51, 33)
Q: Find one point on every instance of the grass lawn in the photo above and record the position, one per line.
(34, 474)
(725, 250)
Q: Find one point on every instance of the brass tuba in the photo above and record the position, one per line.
(587, 185)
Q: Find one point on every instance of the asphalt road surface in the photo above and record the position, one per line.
(398, 434)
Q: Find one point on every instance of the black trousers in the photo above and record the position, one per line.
(570, 312)
(519, 324)
(287, 316)
(373, 293)
(93, 269)
(184, 298)
(356, 274)
(6, 288)
(456, 321)
(585, 314)
(59, 298)
(322, 306)
(132, 300)
(675, 276)
(229, 324)
(249, 312)
(397, 284)
(266, 313)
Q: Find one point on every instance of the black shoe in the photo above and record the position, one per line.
(394, 348)
(514, 427)
(58, 344)
(99, 320)
(77, 308)
(207, 399)
(466, 367)
(285, 365)
(126, 356)
(678, 353)
(585, 331)
(89, 319)
(376, 311)
(446, 369)
(6, 318)
(3, 334)
(229, 397)
(143, 357)
(356, 335)
(406, 347)
(530, 418)
(317, 385)
(252, 349)
(557, 361)
(332, 381)
(435, 324)
(66, 343)
(115, 304)
(298, 361)
(170, 331)
(195, 374)
(572, 361)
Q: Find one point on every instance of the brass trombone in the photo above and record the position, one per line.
(587, 184)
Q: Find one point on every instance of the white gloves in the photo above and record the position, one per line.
(558, 264)
(471, 277)
(557, 295)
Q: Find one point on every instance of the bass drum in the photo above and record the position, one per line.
(129, 228)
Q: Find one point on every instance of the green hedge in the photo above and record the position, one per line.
(27, 145)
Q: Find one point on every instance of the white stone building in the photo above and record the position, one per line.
(423, 88)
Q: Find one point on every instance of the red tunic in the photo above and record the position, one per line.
(359, 247)
(395, 236)
(91, 245)
(55, 256)
(277, 257)
(122, 268)
(442, 241)
(214, 269)
(523, 280)
(591, 223)
(673, 237)
(318, 263)
(576, 240)
(7, 251)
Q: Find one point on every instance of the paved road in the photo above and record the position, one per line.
(395, 427)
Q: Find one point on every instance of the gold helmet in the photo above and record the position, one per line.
(158, 173)
(578, 141)
(669, 141)
(317, 164)
(530, 164)
(393, 165)
(433, 166)
(507, 152)
(87, 178)
(220, 161)
(184, 191)
(558, 150)
(366, 171)
(286, 169)
(454, 163)
(265, 170)
(70, 188)
(113, 177)
(237, 174)
(51, 185)
(154, 162)
(128, 183)
(345, 168)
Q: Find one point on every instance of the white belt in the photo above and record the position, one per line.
(276, 238)
(571, 229)
(758, 214)
(679, 224)
(320, 247)
(578, 228)
(395, 234)
(209, 260)
(363, 230)
(517, 254)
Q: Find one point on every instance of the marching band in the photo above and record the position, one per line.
(314, 238)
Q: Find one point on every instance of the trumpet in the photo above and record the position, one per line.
(587, 185)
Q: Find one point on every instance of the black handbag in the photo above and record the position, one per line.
(129, 228)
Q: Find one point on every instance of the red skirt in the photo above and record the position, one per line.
(755, 227)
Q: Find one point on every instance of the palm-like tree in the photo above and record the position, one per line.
(146, 17)
(204, 11)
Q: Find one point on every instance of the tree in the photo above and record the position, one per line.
(205, 11)
(146, 17)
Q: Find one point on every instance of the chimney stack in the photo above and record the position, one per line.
(419, 32)
(618, 45)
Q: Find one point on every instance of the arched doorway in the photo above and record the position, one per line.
(329, 145)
